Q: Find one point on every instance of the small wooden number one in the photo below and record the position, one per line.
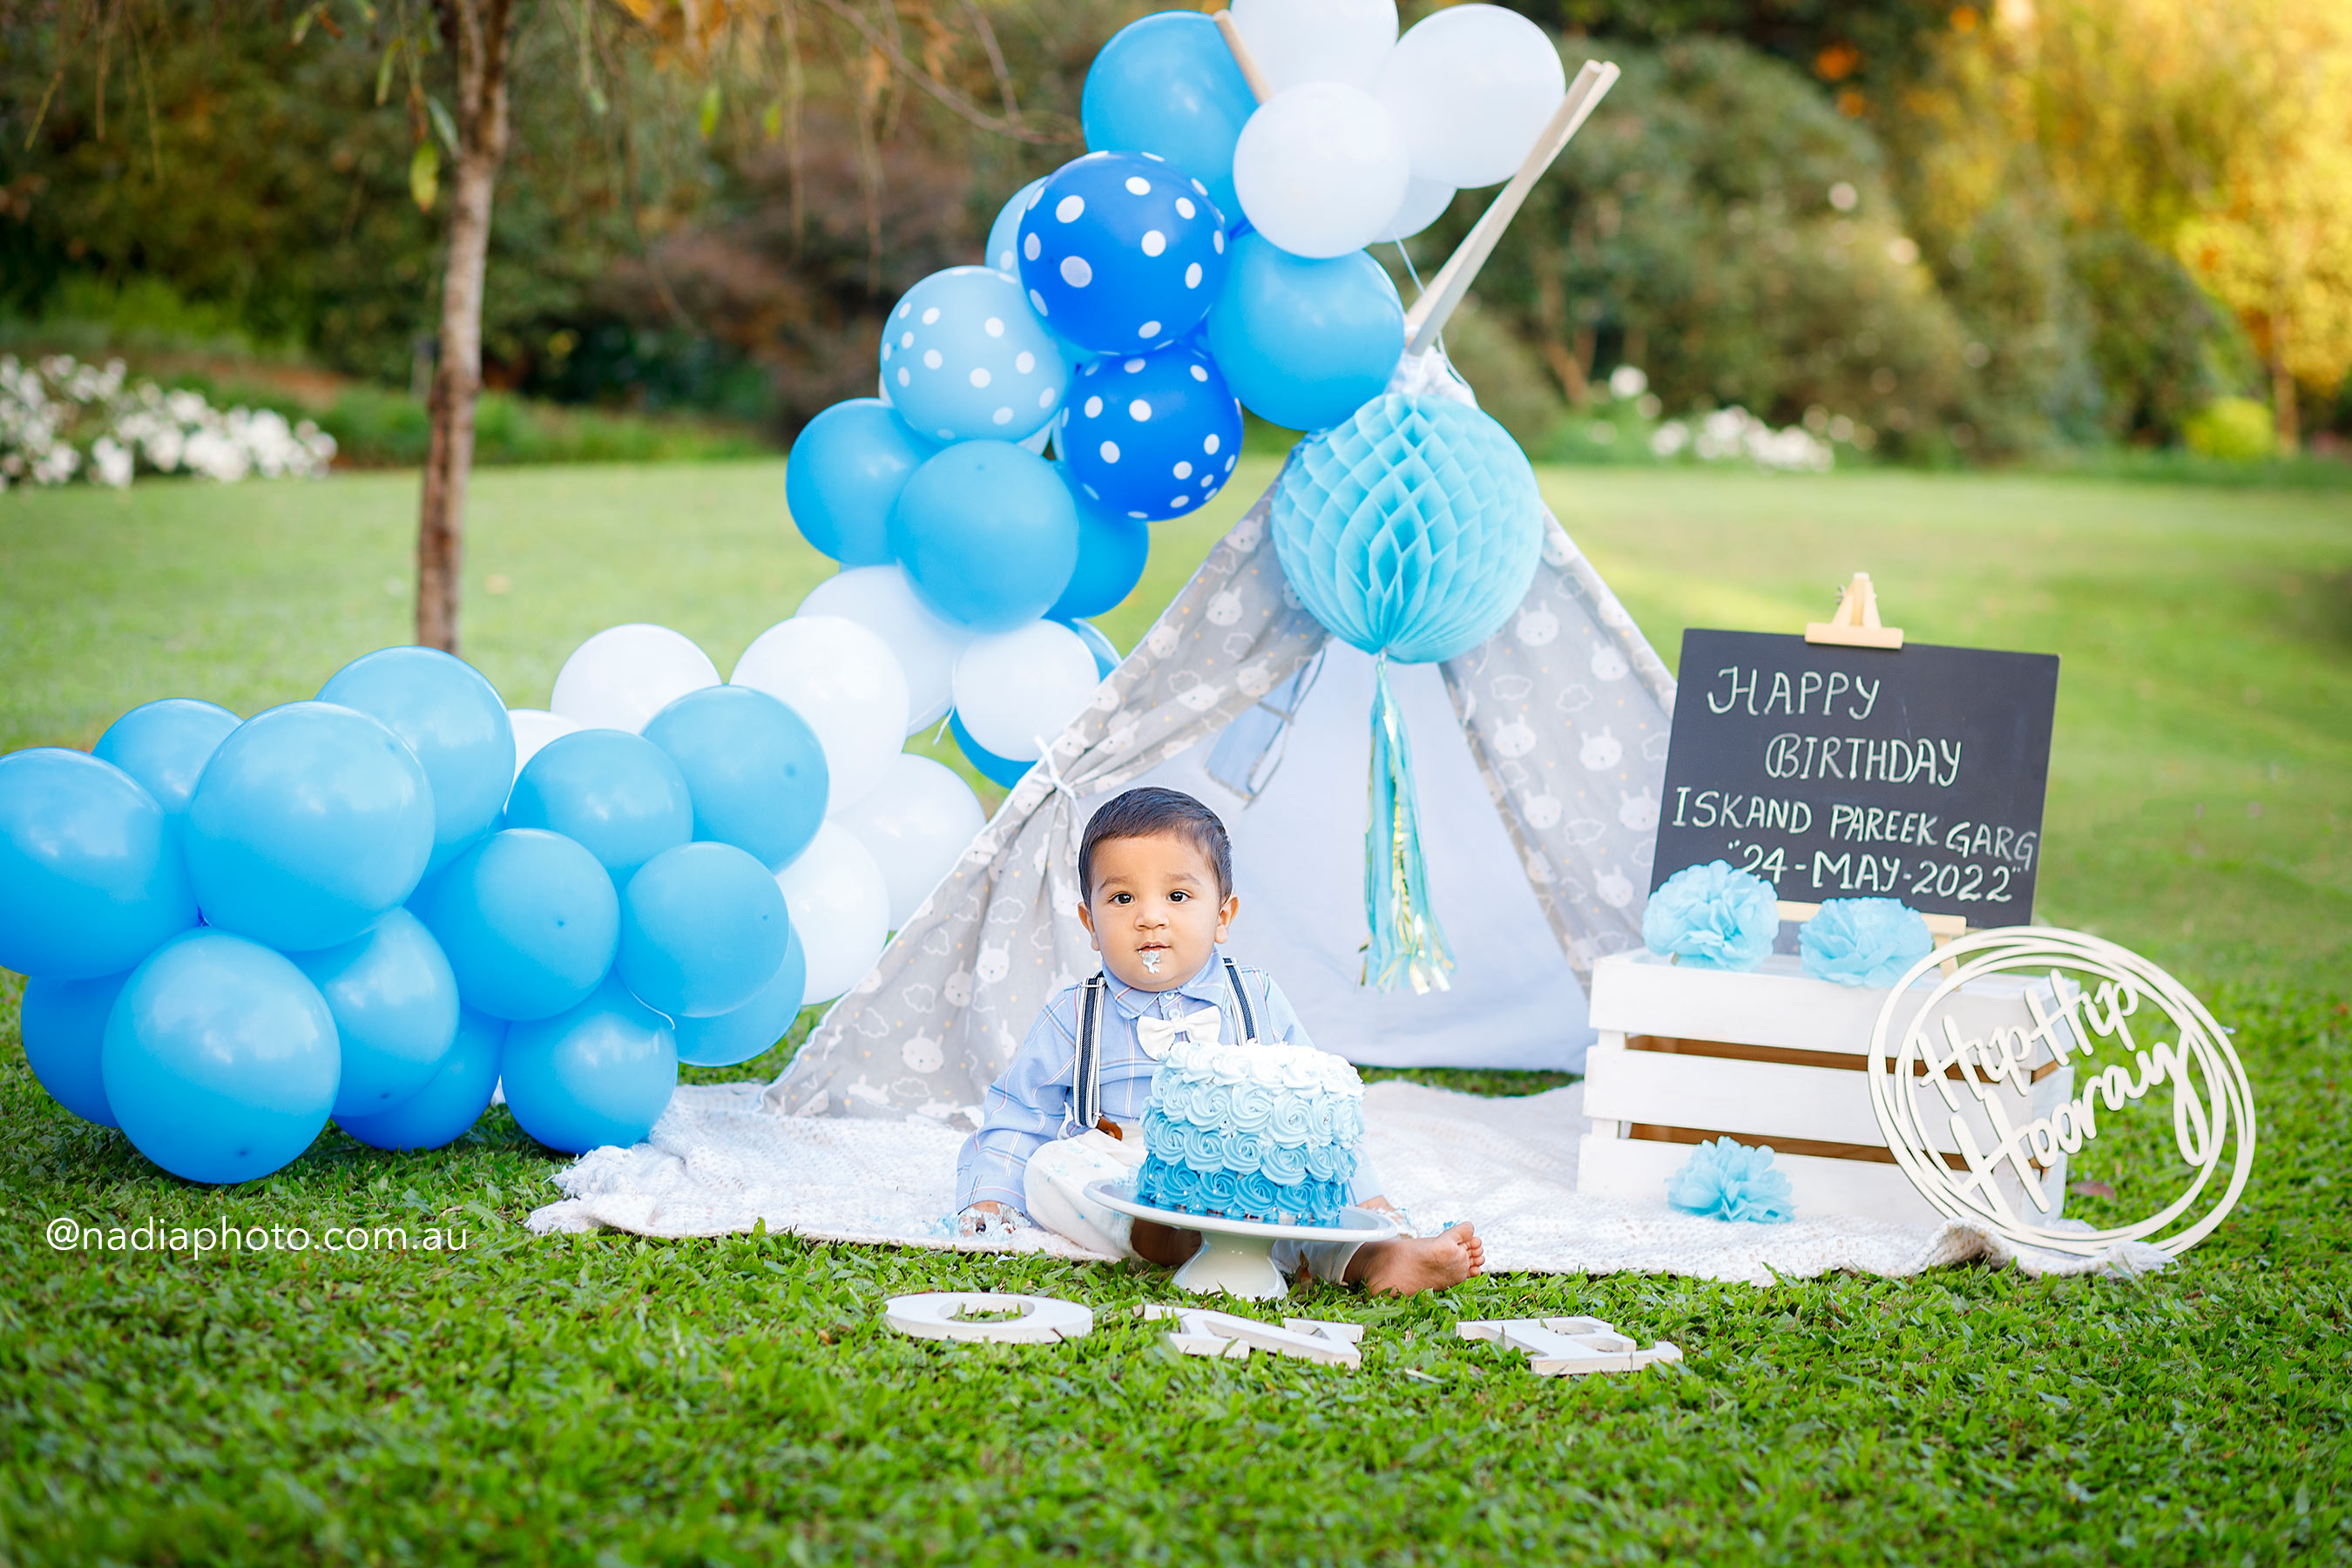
(1855, 622)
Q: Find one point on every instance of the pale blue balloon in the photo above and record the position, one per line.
(1304, 343)
(91, 880)
(848, 467)
(309, 822)
(528, 920)
(601, 1073)
(165, 745)
(617, 795)
(452, 1100)
(1167, 85)
(394, 999)
(1003, 253)
(1112, 553)
(987, 534)
(703, 929)
(220, 1060)
(725, 1038)
(754, 768)
(965, 358)
(453, 720)
(64, 1024)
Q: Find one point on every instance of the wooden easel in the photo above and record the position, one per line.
(1855, 624)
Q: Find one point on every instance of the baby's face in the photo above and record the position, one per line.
(1155, 912)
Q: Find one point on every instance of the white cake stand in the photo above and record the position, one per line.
(1237, 1255)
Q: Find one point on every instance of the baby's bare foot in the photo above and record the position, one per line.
(1418, 1263)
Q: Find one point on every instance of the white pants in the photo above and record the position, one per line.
(1054, 1191)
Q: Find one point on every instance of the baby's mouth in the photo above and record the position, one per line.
(1152, 953)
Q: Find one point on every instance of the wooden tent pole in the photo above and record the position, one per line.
(1427, 317)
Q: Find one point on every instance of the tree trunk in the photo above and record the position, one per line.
(2282, 400)
(477, 34)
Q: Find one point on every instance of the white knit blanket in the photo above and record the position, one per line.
(717, 1164)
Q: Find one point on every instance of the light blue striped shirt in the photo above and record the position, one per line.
(1030, 1105)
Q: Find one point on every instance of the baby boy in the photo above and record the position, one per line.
(1155, 875)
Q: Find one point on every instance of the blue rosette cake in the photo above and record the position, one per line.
(1251, 1132)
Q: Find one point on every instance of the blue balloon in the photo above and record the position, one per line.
(1112, 551)
(849, 464)
(1004, 250)
(1004, 772)
(987, 534)
(601, 1073)
(91, 880)
(1106, 652)
(966, 359)
(617, 795)
(452, 1100)
(1168, 84)
(63, 1027)
(394, 999)
(454, 721)
(1412, 529)
(1122, 253)
(1304, 343)
(1151, 436)
(528, 920)
(165, 745)
(309, 822)
(725, 1038)
(752, 767)
(703, 929)
(220, 1060)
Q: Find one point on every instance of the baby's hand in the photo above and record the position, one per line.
(985, 1218)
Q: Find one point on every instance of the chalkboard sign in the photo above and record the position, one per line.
(1848, 773)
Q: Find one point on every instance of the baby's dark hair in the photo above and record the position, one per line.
(1148, 812)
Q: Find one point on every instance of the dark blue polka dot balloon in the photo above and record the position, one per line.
(1153, 435)
(1121, 252)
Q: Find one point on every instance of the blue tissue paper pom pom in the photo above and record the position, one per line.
(1712, 916)
(1864, 941)
(1730, 1181)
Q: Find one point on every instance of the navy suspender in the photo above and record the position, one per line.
(1086, 1078)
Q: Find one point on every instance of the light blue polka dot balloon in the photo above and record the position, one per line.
(1122, 252)
(965, 359)
(1003, 252)
(1151, 436)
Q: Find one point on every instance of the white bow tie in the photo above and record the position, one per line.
(1156, 1034)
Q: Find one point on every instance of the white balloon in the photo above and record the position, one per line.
(916, 823)
(534, 728)
(880, 599)
(1426, 202)
(1019, 687)
(1300, 41)
(1470, 86)
(840, 905)
(1321, 169)
(625, 675)
(843, 680)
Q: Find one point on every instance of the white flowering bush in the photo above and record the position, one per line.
(1733, 434)
(61, 418)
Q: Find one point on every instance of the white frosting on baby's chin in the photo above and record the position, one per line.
(1276, 1066)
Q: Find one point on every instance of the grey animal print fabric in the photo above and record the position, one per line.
(1566, 710)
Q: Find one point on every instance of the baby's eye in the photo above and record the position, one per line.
(1178, 895)
(1122, 897)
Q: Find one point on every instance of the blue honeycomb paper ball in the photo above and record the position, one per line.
(1151, 436)
(965, 359)
(1412, 528)
(1121, 251)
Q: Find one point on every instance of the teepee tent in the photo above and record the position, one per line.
(1538, 758)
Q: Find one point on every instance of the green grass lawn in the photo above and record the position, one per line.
(607, 1399)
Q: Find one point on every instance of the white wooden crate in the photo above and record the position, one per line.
(1772, 1056)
